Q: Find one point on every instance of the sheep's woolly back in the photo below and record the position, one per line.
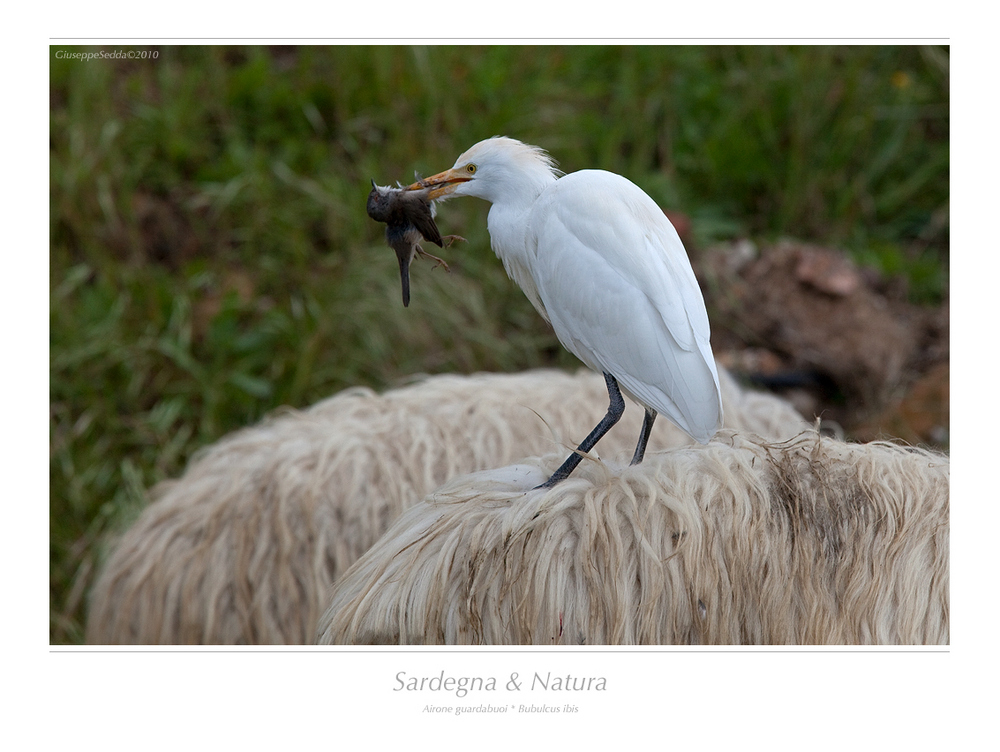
(812, 541)
(245, 546)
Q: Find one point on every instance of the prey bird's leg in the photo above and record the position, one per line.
(440, 262)
(615, 410)
(452, 239)
(647, 428)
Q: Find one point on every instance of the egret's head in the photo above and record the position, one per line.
(493, 169)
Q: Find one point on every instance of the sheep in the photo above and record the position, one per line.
(743, 541)
(244, 547)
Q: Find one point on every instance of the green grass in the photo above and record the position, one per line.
(211, 258)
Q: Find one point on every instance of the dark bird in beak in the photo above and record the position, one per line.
(409, 218)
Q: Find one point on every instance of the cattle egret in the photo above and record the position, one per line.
(409, 216)
(602, 264)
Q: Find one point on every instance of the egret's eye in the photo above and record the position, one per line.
(470, 168)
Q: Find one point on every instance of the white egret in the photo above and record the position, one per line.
(603, 265)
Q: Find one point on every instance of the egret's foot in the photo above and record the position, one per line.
(555, 478)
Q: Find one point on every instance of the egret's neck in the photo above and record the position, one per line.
(508, 218)
(507, 224)
(509, 235)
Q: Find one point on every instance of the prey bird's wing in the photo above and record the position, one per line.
(418, 211)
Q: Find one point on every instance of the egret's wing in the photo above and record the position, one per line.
(621, 295)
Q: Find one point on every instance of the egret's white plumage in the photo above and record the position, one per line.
(602, 263)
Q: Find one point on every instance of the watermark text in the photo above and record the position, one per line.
(108, 55)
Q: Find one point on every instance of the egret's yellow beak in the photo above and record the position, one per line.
(441, 184)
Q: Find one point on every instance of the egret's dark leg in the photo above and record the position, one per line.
(615, 410)
(647, 428)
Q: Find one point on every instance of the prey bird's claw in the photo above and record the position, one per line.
(440, 262)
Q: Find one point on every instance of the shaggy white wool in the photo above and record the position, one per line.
(742, 541)
(243, 548)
